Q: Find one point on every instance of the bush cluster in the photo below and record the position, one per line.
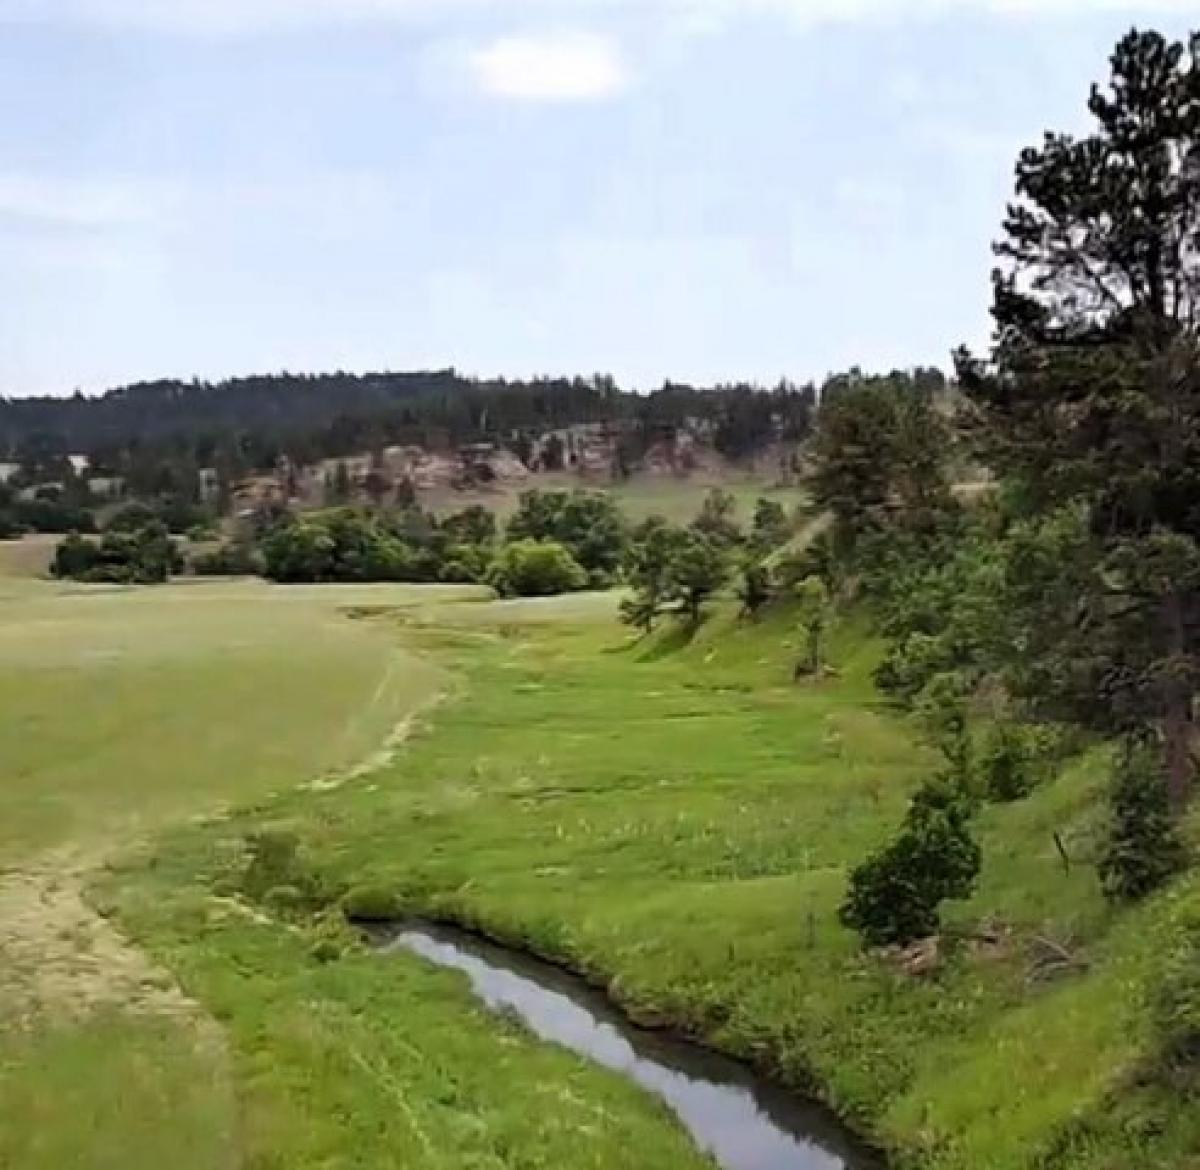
(146, 556)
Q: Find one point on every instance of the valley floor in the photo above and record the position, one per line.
(671, 817)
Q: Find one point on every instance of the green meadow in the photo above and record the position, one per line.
(675, 498)
(672, 816)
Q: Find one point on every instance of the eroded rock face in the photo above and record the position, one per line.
(592, 452)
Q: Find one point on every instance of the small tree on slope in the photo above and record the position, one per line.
(1143, 850)
(894, 896)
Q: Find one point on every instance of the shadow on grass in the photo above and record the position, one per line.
(669, 640)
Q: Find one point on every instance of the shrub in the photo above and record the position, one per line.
(230, 560)
(754, 589)
(536, 568)
(717, 520)
(285, 899)
(1015, 759)
(278, 871)
(1176, 1008)
(131, 517)
(814, 613)
(371, 904)
(348, 545)
(147, 556)
(817, 559)
(942, 712)
(909, 664)
(895, 895)
(299, 551)
(52, 516)
(465, 564)
(457, 572)
(1143, 850)
(274, 861)
(330, 938)
(771, 527)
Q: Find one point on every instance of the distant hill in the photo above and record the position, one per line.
(328, 415)
(302, 438)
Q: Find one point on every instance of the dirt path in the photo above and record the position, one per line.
(384, 755)
(84, 1018)
(61, 961)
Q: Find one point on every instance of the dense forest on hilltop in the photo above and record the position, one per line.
(250, 422)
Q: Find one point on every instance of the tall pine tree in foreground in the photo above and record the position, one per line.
(1089, 406)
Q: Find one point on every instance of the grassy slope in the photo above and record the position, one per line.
(678, 500)
(677, 818)
(125, 710)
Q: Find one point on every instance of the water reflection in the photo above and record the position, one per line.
(743, 1122)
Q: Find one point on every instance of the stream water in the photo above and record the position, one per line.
(741, 1120)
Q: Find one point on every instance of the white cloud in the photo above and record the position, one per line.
(558, 67)
(818, 12)
(82, 202)
(214, 17)
(236, 17)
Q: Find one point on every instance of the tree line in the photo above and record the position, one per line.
(155, 432)
(555, 542)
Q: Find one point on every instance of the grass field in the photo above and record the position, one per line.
(675, 818)
(125, 710)
(676, 499)
(672, 817)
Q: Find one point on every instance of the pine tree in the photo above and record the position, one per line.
(1090, 403)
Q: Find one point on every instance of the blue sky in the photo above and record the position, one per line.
(700, 189)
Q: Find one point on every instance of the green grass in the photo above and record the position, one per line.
(675, 818)
(114, 1092)
(126, 708)
(388, 1063)
(676, 499)
(672, 817)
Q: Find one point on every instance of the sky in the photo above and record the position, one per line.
(701, 190)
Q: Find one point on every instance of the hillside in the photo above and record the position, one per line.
(308, 417)
(204, 451)
(674, 818)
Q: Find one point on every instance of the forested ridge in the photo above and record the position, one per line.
(314, 416)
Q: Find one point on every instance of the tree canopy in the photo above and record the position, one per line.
(1089, 404)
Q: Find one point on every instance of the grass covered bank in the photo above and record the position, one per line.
(676, 819)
